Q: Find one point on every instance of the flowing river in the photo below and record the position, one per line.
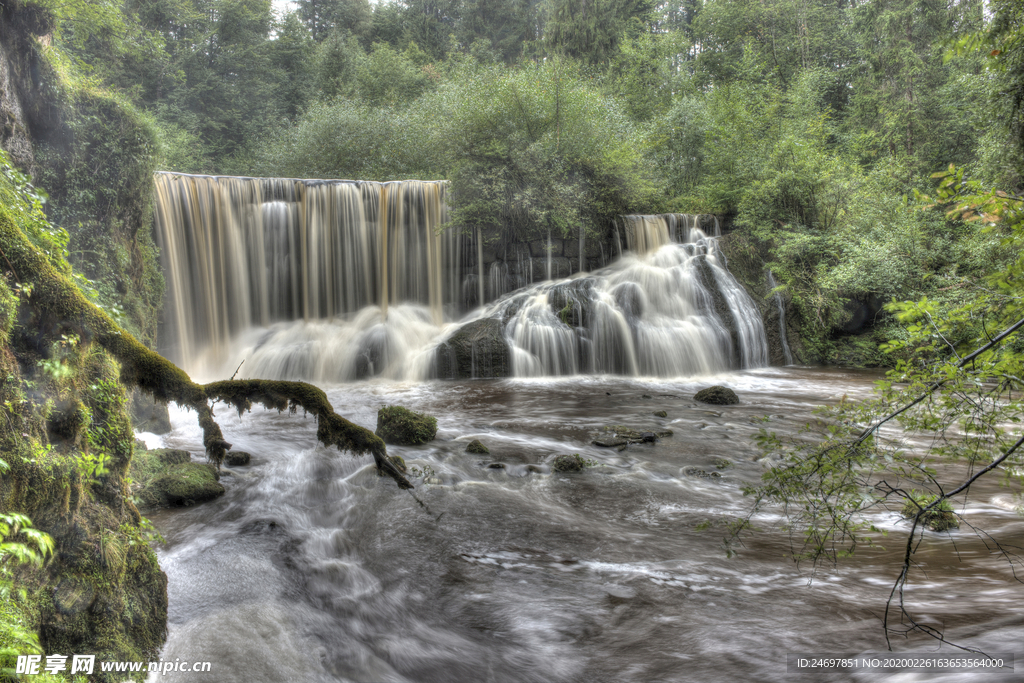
(312, 568)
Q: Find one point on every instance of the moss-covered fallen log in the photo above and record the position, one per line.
(69, 310)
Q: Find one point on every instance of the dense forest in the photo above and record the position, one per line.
(867, 154)
(807, 126)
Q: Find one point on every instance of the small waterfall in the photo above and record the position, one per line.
(671, 310)
(549, 254)
(782, 318)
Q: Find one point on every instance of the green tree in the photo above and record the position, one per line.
(323, 17)
(591, 30)
(504, 25)
(900, 103)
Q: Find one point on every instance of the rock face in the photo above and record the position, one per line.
(477, 350)
(571, 301)
(402, 427)
(169, 478)
(717, 395)
(720, 306)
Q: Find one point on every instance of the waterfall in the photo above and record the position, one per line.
(332, 281)
(243, 253)
(782, 318)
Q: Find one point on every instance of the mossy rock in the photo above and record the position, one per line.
(939, 518)
(569, 463)
(660, 413)
(403, 427)
(237, 458)
(184, 484)
(475, 446)
(717, 395)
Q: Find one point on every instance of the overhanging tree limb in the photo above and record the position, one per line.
(931, 389)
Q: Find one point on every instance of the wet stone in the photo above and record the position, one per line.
(660, 413)
(609, 442)
(568, 463)
(496, 466)
(475, 446)
(717, 395)
(618, 594)
(237, 458)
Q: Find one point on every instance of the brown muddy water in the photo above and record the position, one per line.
(313, 568)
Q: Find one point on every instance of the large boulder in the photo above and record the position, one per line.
(403, 427)
(717, 395)
(477, 350)
(167, 477)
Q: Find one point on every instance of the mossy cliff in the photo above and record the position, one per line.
(94, 153)
(819, 328)
(66, 439)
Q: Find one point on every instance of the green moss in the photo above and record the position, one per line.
(939, 518)
(476, 447)
(569, 463)
(398, 425)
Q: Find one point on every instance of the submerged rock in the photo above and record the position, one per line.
(621, 436)
(403, 427)
(237, 458)
(717, 395)
(477, 350)
(569, 463)
(476, 447)
(660, 413)
(701, 474)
